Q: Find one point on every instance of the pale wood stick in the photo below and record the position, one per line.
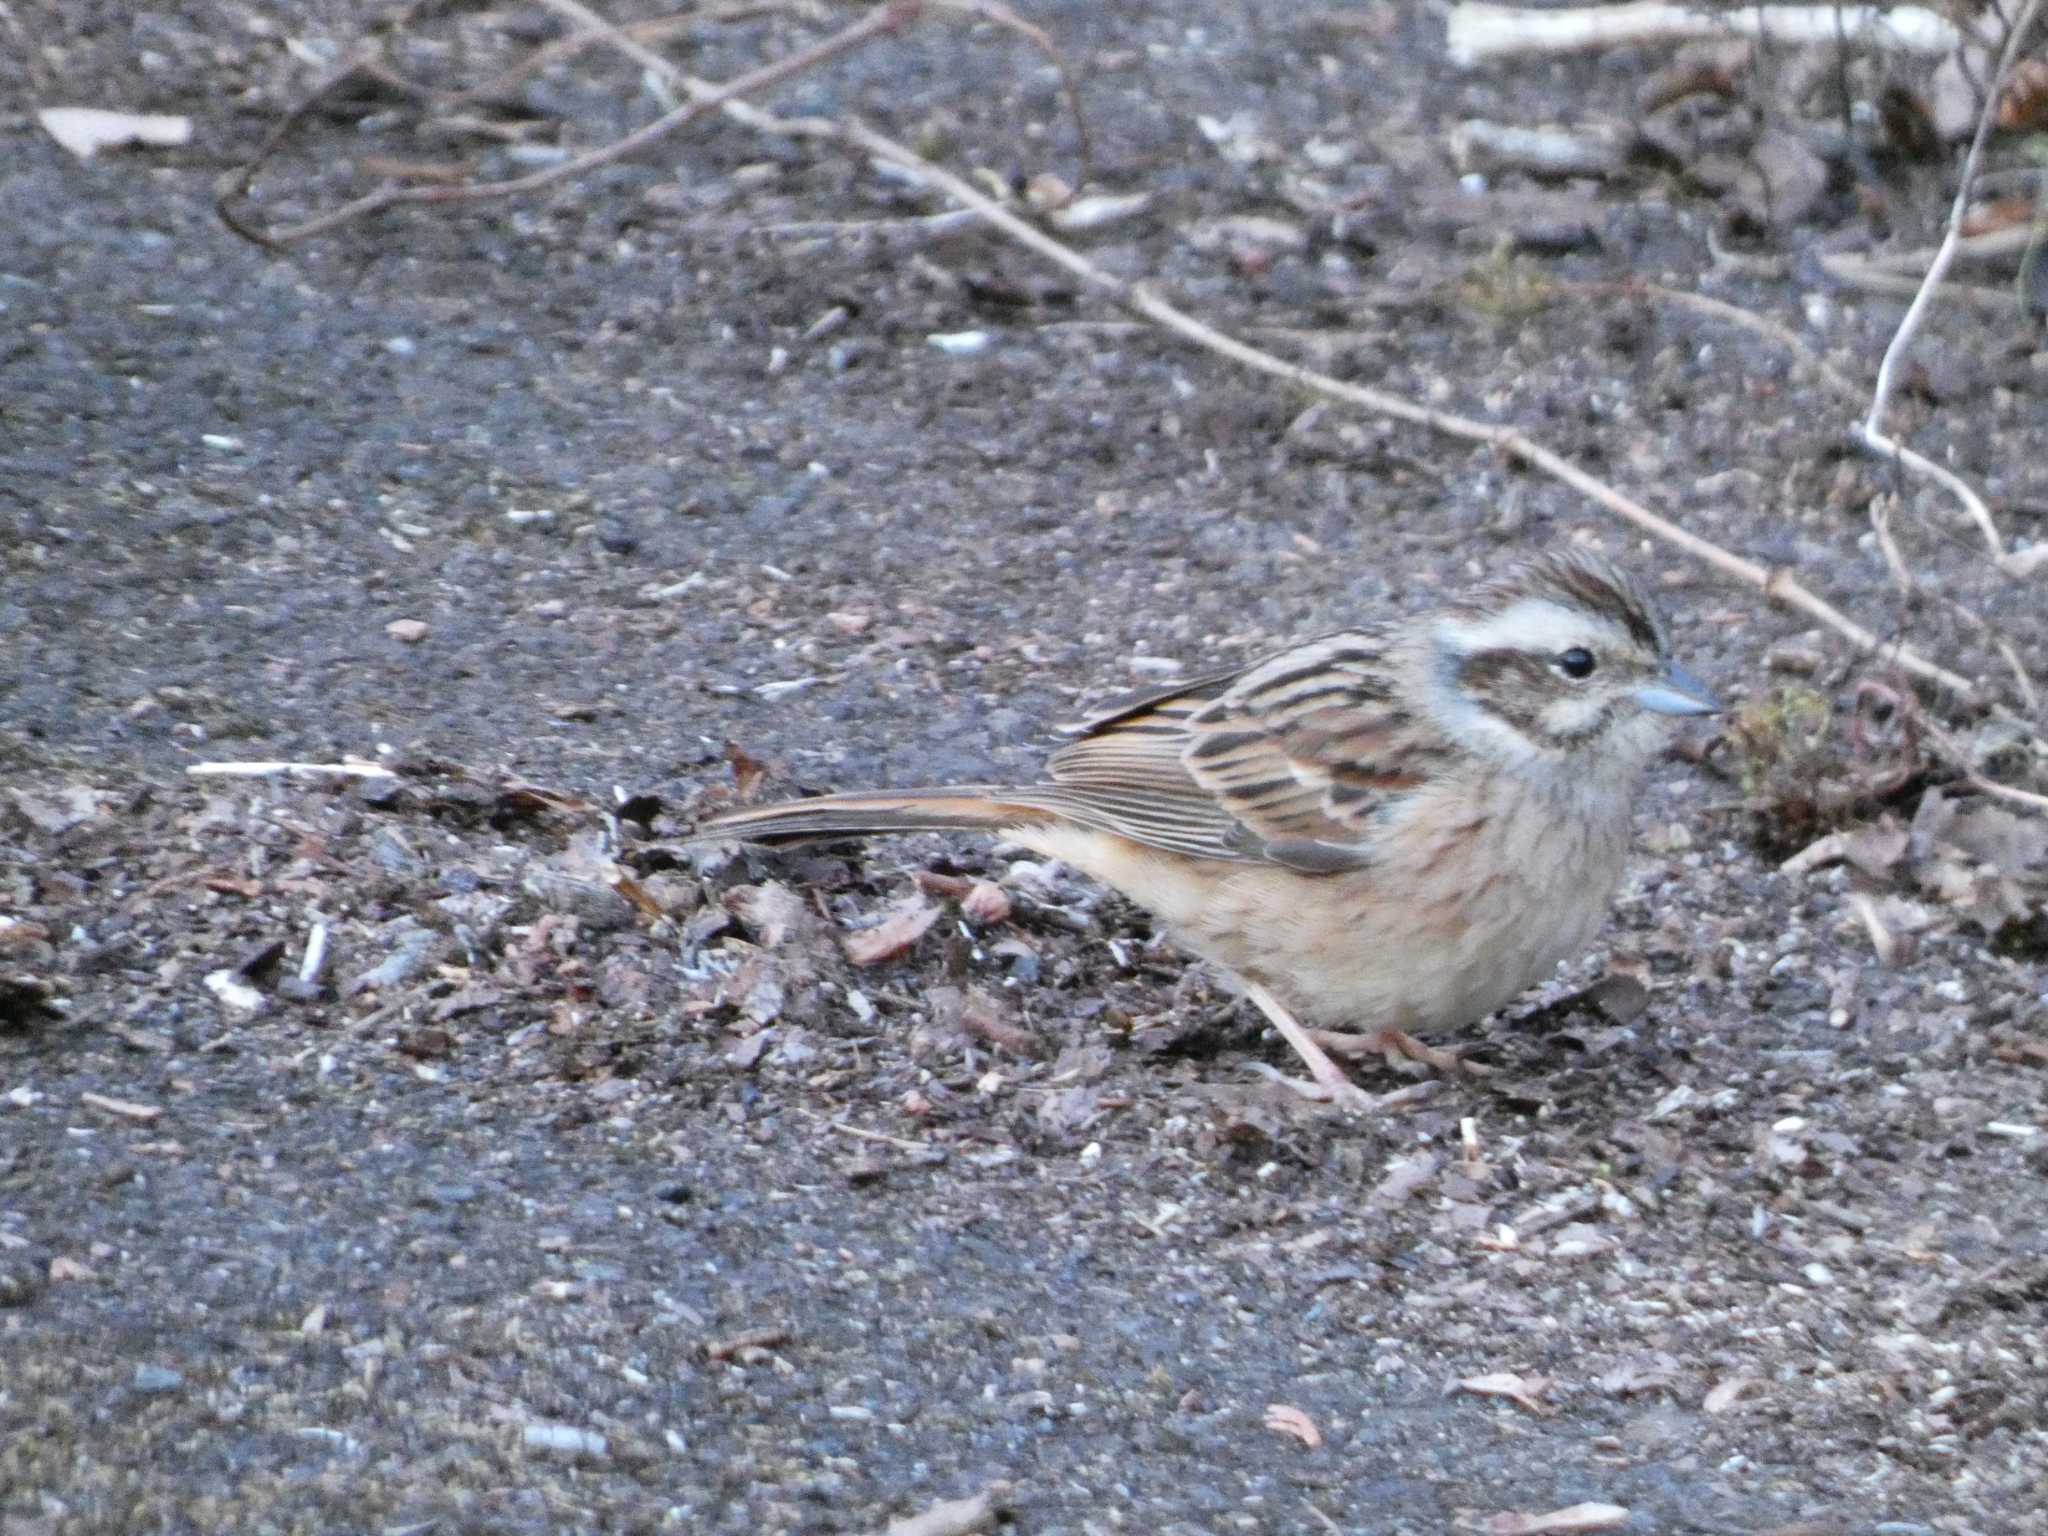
(1477, 32)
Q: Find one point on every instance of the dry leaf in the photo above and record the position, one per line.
(1893, 924)
(1405, 1176)
(60, 813)
(1729, 1393)
(1622, 997)
(1638, 1376)
(978, 1013)
(747, 771)
(903, 927)
(955, 1517)
(1522, 1391)
(1874, 850)
(2025, 102)
(87, 130)
(1283, 1419)
(638, 894)
(1558, 1522)
(772, 912)
(1822, 851)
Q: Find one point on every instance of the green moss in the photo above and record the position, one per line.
(1791, 768)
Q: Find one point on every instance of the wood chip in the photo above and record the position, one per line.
(85, 131)
(1406, 1176)
(128, 1109)
(233, 992)
(773, 1337)
(1522, 1391)
(1558, 1522)
(955, 1517)
(1831, 849)
(141, 1039)
(903, 927)
(1731, 1393)
(1284, 1419)
(771, 912)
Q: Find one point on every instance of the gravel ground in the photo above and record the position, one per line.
(543, 1207)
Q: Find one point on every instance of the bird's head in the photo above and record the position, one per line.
(1561, 665)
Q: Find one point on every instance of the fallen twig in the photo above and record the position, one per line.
(1592, 149)
(272, 770)
(773, 1336)
(1476, 32)
(900, 1143)
(1880, 512)
(884, 18)
(1734, 314)
(1775, 583)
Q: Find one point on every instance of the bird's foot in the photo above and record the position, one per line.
(1345, 1094)
(1400, 1050)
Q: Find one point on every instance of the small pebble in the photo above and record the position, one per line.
(1095, 212)
(157, 1378)
(565, 1440)
(960, 343)
(406, 631)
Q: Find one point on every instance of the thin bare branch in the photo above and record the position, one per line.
(1775, 583)
(1733, 314)
(884, 18)
(1871, 433)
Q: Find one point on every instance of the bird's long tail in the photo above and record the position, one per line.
(976, 807)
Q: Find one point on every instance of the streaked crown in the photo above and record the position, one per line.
(1562, 655)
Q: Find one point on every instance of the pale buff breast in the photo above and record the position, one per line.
(1469, 905)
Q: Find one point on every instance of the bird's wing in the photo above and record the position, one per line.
(1286, 761)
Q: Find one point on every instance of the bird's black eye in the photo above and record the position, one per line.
(1576, 662)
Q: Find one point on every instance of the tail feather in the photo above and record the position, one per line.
(974, 807)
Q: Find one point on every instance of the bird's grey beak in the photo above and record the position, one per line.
(1677, 692)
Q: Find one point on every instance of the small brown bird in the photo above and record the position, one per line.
(1392, 830)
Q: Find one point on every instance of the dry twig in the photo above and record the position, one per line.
(884, 18)
(1871, 433)
(1775, 584)
(1477, 32)
(887, 17)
